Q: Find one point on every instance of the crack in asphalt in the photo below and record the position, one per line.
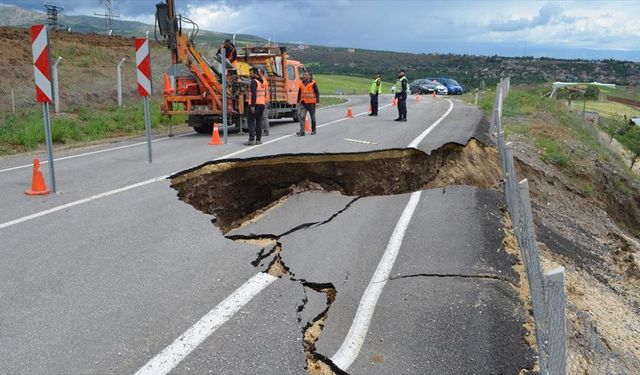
(317, 363)
(452, 275)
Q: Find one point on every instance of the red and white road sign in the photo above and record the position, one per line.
(41, 63)
(143, 66)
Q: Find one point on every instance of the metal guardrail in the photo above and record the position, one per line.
(547, 289)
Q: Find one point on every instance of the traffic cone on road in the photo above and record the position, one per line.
(349, 112)
(38, 186)
(307, 124)
(395, 102)
(168, 90)
(215, 137)
(370, 109)
(418, 98)
(434, 93)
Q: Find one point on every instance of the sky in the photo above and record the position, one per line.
(566, 29)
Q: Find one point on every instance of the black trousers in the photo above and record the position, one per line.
(402, 107)
(374, 104)
(255, 123)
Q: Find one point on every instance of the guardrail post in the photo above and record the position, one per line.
(534, 274)
(13, 101)
(119, 81)
(556, 321)
(56, 92)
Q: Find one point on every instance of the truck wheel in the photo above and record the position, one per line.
(203, 129)
(295, 117)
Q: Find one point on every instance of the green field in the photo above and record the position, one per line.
(328, 84)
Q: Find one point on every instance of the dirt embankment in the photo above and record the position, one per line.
(87, 73)
(587, 216)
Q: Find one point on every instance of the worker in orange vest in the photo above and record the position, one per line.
(308, 97)
(267, 94)
(257, 101)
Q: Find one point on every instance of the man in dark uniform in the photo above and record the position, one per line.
(401, 95)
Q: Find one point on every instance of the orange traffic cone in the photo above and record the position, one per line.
(168, 90)
(395, 102)
(417, 98)
(215, 137)
(370, 109)
(349, 112)
(434, 93)
(38, 186)
(307, 124)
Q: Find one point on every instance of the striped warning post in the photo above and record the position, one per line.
(143, 66)
(41, 63)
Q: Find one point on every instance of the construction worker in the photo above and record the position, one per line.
(267, 95)
(256, 108)
(230, 51)
(374, 91)
(401, 95)
(308, 97)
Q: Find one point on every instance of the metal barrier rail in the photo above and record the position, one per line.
(547, 289)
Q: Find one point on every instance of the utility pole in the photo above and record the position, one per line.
(108, 15)
(52, 16)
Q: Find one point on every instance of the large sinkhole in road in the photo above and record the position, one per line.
(235, 190)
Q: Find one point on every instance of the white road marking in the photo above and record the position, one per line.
(143, 183)
(79, 202)
(92, 152)
(416, 142)
(352, 344)
(173, 354)
(359, 141)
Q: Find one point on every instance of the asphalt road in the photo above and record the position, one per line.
(106, 274)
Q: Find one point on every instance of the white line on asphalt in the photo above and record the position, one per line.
(351, 345)
(173, 354)
(143, 183)
(79, 202)
(359, 141)
(92, 153)
(416, 142)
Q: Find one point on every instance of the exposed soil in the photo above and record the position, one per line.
(87, 73)
(588, 220)
(235, 190)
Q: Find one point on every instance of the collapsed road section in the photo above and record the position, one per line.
(240, 192)
(237, 190)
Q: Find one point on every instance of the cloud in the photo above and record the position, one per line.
(545, 15)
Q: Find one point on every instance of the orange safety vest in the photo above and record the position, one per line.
(267, 94)
(261, 93)
(306, 92)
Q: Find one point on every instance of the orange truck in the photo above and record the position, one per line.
(197, 90)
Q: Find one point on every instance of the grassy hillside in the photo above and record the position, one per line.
(329, 84)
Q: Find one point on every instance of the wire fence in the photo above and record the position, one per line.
(547, 289)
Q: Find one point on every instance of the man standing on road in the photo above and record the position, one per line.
(401, 95)
(374, 91)
(308, 97)
(267, 95)
(256, 108)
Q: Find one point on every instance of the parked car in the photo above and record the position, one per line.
(422, 86)
(427, 86)
(453, 87)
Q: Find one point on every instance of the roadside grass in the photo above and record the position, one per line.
(348, 85)
(24, 131)
(523, 105)
(553, 152)
(326, 101)
(609, 109)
